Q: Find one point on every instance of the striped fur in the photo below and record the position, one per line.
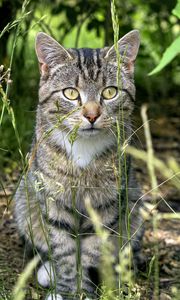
(72, 160)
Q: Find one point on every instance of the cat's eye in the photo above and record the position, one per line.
(71, 93)
(109, 92)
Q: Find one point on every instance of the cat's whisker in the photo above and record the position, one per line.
(112, 132)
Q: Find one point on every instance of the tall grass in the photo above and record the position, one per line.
(127, 288)
(17, 25)
(153, 179)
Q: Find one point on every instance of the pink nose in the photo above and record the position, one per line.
(91, 111)
(91, 117)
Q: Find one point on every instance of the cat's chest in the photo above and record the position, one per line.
(83, 170)
(83, 151)
(63, 179)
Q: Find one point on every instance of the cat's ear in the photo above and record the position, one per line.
(128, 47)
(49, 52)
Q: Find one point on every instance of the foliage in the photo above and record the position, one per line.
(173, 50)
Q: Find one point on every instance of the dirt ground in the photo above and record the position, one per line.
(165, 128)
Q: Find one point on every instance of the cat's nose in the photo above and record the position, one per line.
(91, 118)
(91, 111)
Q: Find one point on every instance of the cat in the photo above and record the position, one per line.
(74, 159)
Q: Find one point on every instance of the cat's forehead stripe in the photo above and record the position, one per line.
(89, 62)
(98, 59)
(79, 59)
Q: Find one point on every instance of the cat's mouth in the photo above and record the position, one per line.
(89, 131)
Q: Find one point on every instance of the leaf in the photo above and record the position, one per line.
(168, 56)
(176, 10)
(19, 289)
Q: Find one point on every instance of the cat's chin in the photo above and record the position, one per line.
(89, 132)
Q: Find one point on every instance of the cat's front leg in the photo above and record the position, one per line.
(91, 247)
(63, 263)
(91, 259)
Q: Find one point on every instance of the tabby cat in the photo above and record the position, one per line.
(74, 157)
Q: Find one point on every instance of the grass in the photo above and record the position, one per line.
(171, 171)
(19, 292)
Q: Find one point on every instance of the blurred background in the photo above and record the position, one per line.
(88, 23)
(79, 23)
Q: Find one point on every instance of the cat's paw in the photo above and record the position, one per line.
(45, 275)
(54, 297)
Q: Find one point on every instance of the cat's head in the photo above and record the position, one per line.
(79, 88)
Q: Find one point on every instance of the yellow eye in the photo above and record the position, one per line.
(71, 93)
(109, 92)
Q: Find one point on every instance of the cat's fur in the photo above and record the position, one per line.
(70, 162)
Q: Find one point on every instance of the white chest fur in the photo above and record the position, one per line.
(84, 149)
